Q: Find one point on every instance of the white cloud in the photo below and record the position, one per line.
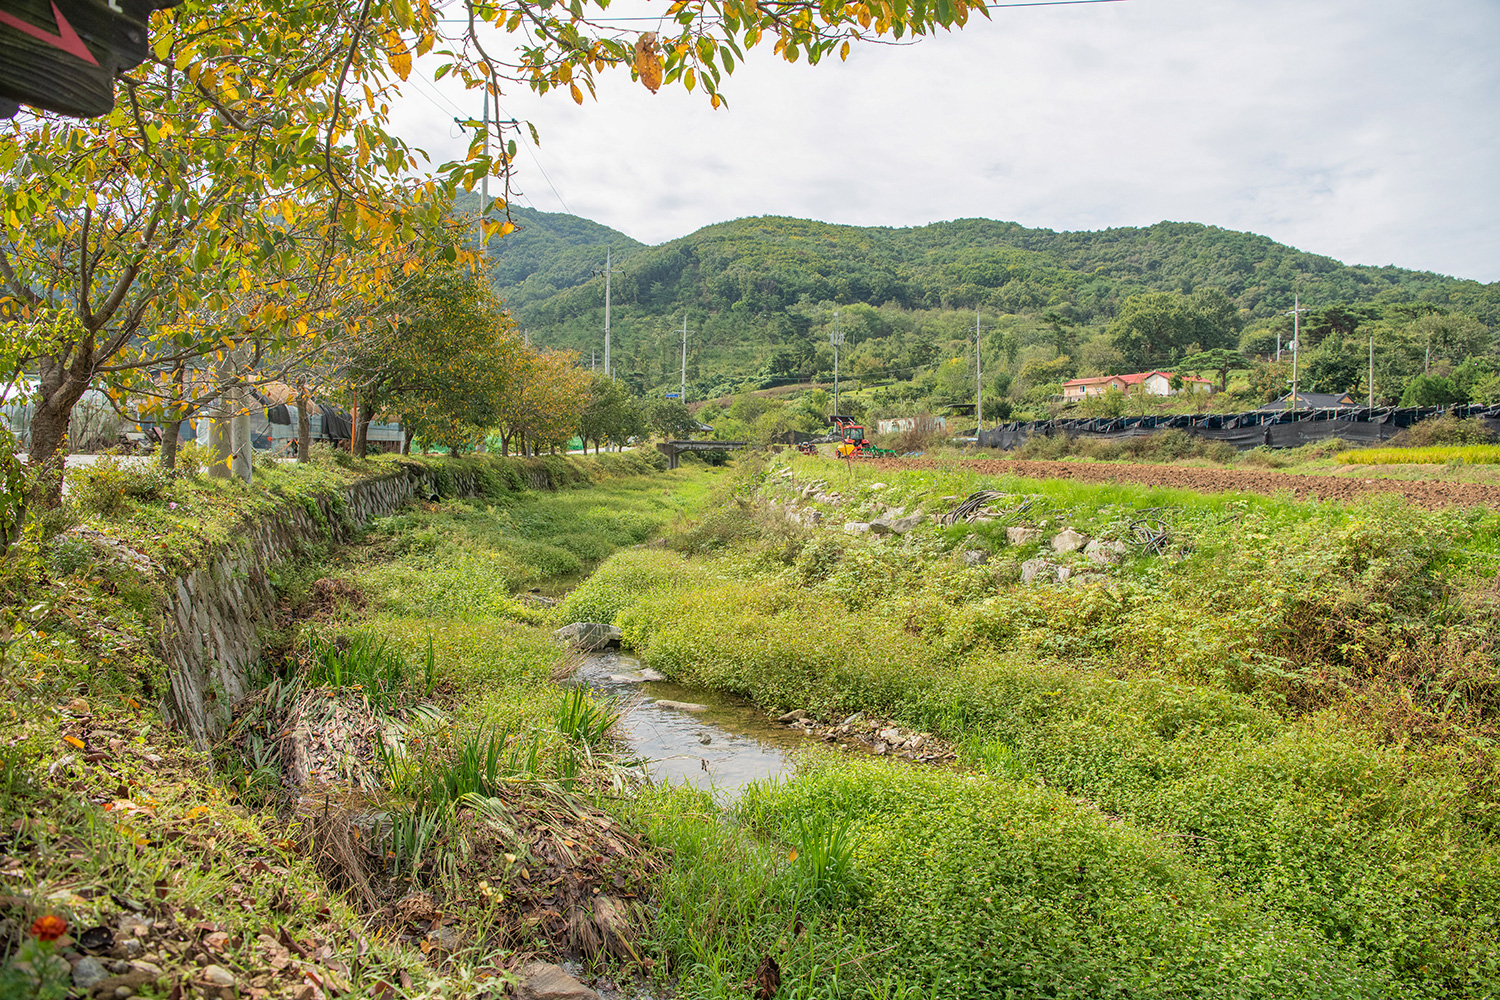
(1367, 131)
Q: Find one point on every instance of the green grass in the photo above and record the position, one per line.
(1473, 454)
(923, 882)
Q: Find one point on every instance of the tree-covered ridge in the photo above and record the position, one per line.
(769, 263)
(760, 297)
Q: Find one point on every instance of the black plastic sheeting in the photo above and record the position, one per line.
(1276, 428)
(336, 424)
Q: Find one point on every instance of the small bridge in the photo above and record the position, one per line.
(673, 449)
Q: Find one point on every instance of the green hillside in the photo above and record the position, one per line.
(759, 294)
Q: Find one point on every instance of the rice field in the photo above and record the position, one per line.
(1470, 454)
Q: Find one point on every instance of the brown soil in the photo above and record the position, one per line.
(1432, 495)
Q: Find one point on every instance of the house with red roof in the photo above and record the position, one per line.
(1155, 383)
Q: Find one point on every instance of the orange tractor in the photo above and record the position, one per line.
(854, 443)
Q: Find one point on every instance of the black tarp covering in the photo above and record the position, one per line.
(336, 424)
(1279, 429)
(278, 414)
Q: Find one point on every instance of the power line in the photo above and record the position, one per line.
(990, 6)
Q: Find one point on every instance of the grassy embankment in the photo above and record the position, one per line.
(1260, 764)
(111, 818)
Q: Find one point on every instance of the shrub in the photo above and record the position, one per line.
(106, 487)
(1446, 429)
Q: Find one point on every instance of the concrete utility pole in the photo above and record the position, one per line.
(484, 185)
(682, 392)
(1296, 314)
(978, 377)
(1372, 371)
(836, 339)
(608, 274)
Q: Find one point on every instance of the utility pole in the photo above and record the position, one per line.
(608, 273)
(1372, 371)
(1296, 315)
(484, 185)
(593, 356)
(682, 392)
(836, 338)
(978, 377)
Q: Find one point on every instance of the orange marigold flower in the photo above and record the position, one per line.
(49, 928)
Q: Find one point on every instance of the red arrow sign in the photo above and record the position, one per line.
(66, 38)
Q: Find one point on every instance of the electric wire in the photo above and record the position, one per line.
(989, 6)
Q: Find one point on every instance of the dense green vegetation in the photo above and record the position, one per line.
(760, 297)
(1264, 757)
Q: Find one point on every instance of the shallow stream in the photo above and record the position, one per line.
(719, 742)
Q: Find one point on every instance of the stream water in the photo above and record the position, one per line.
(706, 739)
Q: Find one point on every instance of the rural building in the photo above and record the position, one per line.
(1156, 383)
(1314, 401)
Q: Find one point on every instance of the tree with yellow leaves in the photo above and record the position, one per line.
(247, 187)
(542, 407)
(442, 360)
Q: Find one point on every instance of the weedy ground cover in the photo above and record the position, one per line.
(1299, 698)
(868, 879)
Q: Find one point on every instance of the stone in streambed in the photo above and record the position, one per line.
(544, 981)
(681, 706)
(627, 678)
(588, 636)
(1069, 540)
(647, 674)
(88, 972)
(793, 716)
(1034, 569)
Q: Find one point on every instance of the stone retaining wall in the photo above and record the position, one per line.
(210, 635)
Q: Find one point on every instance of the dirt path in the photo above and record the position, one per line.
(1432, 495)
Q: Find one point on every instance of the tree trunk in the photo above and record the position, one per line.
(48, 451)
(304, 424)
(406, 435)
(170, 431)
(356, 439)
(61, 385)
(361, 436)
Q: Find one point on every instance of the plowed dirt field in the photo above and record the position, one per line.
(1425, 494)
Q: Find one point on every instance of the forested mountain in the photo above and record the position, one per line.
(759, 295)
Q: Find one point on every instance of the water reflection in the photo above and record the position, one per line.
(725, 746)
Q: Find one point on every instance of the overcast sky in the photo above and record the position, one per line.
(1366, 130)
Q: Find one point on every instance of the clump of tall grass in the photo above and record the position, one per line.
(583, 720)
(1474, 454)
(371, 666)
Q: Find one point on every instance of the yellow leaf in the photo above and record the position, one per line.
(75, 741)
(577, 94)
(792, 856)
(648, 61)
(844, 52)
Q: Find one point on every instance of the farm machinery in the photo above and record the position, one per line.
(853, 442)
